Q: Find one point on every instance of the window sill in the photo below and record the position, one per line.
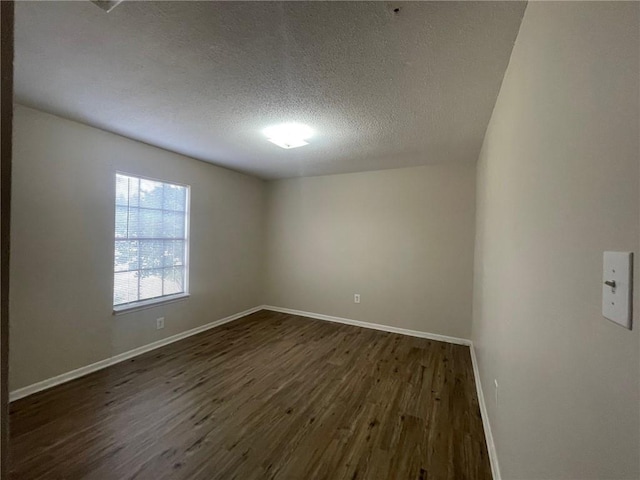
(154, 302)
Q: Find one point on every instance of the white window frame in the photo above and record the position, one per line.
(156, 301)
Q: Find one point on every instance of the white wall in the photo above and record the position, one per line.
(402, 239)
(62, 245)
(558, 185)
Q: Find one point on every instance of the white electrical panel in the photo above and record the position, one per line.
(617, 286)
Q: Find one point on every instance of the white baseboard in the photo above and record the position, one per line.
(491, 446)
(374, 326)
(107, 362)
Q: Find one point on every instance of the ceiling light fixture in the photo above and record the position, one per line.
(289, 135)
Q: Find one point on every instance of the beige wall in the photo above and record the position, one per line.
(402, 239)
(558, 185)
(62, 247)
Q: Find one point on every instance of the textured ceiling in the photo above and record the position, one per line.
(382, 90)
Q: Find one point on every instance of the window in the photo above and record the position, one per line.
(151, 242)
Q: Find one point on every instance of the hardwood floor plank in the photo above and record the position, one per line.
(270, 396)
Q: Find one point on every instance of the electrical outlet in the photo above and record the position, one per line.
(356, 298)
(495, 382)
(159, 323)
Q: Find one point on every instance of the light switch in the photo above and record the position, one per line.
(617, 286)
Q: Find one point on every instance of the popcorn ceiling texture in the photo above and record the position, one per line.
(382, 90)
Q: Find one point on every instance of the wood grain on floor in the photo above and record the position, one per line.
(269, 396)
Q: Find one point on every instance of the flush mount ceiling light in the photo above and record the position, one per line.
(289, 135)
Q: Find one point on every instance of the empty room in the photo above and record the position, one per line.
(320, 240)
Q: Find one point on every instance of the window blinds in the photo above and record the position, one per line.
(151, 239)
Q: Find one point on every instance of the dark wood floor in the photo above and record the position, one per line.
(268, 396)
